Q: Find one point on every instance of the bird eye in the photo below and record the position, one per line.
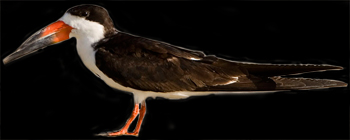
(85, 14)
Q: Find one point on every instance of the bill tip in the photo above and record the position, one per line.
(5, 60)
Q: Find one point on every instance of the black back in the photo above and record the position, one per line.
(151, 65)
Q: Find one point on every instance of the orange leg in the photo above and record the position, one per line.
(124, 130)
(139, 122)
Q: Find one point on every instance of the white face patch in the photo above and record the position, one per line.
(83, 29)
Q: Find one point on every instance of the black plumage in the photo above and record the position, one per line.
(151, 65)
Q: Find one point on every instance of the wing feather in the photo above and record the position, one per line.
(150, 65)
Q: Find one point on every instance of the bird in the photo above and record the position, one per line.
(151, 68)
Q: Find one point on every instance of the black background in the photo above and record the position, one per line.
(52, 95)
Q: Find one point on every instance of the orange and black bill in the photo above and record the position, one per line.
(51, 34)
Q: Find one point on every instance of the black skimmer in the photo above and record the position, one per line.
(191, 59)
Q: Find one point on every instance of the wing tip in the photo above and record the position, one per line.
(339, 84)
(306, 83)
(333, 67)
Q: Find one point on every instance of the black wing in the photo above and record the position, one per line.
(150, 65)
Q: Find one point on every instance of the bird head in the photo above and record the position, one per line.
(84, 22)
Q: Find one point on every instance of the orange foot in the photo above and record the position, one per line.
(124, 130)
(118, 133)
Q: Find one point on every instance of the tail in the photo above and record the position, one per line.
(305, 83)
(274, 71)
(272, 84)
(285, 69)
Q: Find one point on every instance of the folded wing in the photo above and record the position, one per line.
(150, 65)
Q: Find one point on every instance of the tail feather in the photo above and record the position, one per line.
(305, 83)
(285, 69)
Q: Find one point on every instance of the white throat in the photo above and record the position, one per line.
(87, 33)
